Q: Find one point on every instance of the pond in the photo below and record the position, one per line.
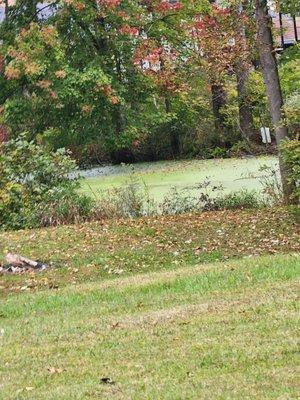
(159, 177)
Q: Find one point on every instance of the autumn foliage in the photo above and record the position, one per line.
(109, 74)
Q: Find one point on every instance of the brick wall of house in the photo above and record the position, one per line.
(288, 31)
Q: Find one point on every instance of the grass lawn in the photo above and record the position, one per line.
(100, 250)
(178, 307)
(215, 331)
(232, 174)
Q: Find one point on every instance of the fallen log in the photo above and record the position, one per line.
(18, 261)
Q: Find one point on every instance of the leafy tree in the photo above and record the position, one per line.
(131, 79)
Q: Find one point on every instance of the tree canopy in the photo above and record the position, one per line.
(135, 79)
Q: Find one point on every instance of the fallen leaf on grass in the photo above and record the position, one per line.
(53, 286)
(54, 370)
(107, 381)
(116, 325)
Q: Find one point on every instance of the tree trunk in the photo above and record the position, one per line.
(122, 154)
(3, 129)
(5, 9)
(242, 71)
(120, 118)
(174, 139)
(272, 82)
(175, 146)
(219, 100)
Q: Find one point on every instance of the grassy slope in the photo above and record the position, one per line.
(215, 331)
(94, 251)
(233, 174)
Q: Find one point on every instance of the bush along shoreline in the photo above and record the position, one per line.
(35, 189)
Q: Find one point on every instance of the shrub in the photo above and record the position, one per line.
(35, 189)
(63, 206)
(129, 201)
(238, 200)
(291, 154)
(271, 184)
(218, 152)
(178, 202)
(240, 148)
(292, 112)
(133, 201)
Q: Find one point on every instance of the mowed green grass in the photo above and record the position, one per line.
(160, 177)
(215, 331)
